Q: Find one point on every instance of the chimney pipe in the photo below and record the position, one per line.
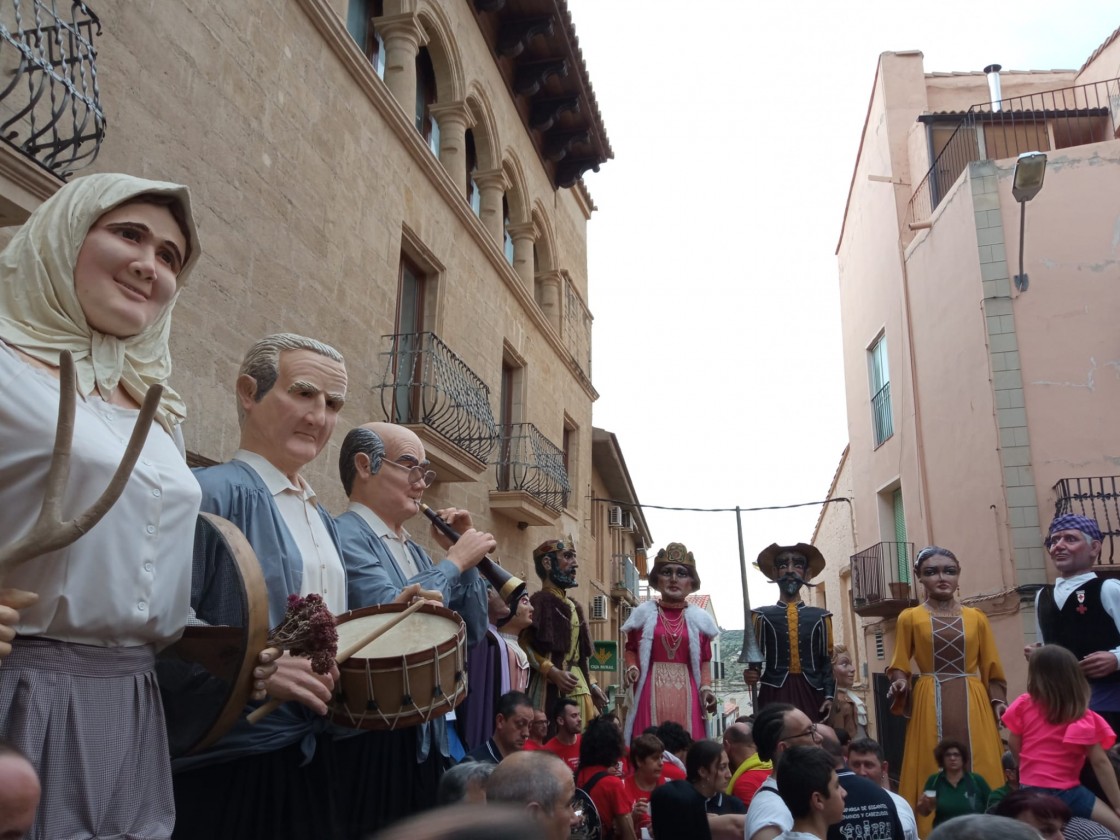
(992, 72)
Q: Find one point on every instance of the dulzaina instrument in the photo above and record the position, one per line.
(510, 588)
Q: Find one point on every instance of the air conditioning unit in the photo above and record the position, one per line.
(624, 612)
(614, 517)
(628, 520)
(598, 607)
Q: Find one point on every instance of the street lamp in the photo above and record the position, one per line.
(1030, 170)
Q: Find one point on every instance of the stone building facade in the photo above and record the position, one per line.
(402, 179)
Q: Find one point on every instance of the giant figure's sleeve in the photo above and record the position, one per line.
(756, 619)
(826, 641)
(1110, 597)
(469, 600)
(991, 669)
(903, 645)
(534, 637)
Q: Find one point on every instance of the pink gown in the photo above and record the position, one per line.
(670, 692)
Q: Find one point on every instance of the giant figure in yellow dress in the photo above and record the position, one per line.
(960, 691)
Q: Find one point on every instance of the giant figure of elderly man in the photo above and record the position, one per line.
(274, 780)
(384, 472)
(1081, 611)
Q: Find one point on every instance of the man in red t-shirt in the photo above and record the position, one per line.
(538, 731)
(568, 719)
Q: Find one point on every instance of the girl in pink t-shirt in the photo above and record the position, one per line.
(1053, 731)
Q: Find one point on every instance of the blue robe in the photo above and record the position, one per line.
(403, 766)
(373, 577)
(234, 491)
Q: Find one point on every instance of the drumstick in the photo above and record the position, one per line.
(272, 705)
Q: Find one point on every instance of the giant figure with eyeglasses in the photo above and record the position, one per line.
(795, 638)
(384, 472)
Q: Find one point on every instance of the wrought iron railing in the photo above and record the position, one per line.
(426, 383)
(50, 108)
(1099, 498)
(1053, 119)
(882, 572)
(624, 574)
(529, 461)
(881, 414)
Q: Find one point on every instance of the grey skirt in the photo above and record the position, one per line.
(90, 720)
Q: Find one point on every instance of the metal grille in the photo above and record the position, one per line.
(530, 462)
(876, 573)
(49, 106)
(1053, 119)
(625, 574)
(881, 414)
(1099, 498)
(426, 383)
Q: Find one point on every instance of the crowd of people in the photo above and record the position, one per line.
(94, 274)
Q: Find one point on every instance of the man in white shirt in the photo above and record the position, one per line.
(289, 392)
(777, 727)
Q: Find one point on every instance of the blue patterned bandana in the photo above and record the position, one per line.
(1073, 522)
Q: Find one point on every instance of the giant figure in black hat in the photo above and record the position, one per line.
(795, 638)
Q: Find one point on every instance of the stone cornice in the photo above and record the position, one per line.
(34, 183)
(333, 30)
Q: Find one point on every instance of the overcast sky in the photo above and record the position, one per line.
(712, 264)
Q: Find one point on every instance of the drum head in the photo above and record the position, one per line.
(421, 631)
(205, 678)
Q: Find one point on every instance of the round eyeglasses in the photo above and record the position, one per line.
(417, 474)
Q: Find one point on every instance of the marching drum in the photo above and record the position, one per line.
(410, 674)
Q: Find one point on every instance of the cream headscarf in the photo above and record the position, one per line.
(39, 310)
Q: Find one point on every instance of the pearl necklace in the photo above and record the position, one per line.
(674, 631)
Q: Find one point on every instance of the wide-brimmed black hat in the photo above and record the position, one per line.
(811, 554)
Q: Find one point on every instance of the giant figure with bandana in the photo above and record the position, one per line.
(795, 638)
(1081, 611)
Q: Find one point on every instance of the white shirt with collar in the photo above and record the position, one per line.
(1064, 587)
(323, 572)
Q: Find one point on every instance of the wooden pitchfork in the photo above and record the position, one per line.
(50, 533)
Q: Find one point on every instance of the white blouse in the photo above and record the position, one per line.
(127, 582)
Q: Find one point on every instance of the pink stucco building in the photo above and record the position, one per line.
(976, 408)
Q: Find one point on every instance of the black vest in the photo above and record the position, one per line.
(1083, 631)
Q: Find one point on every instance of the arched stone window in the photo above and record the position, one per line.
(474, 193)
(426, 122)
(359, 23)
